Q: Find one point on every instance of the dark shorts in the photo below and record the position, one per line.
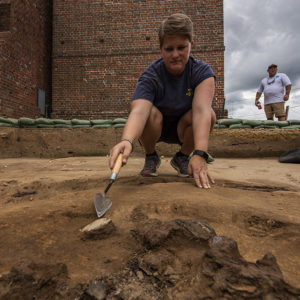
(169, 131)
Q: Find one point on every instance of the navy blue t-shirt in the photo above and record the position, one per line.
(173, 96)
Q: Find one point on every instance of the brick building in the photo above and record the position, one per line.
(99, 48)
(25, 56)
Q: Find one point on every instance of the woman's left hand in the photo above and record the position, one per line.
(198, 169)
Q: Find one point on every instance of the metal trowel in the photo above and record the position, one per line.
(101, 201)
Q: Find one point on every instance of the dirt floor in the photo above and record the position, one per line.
(170, 240)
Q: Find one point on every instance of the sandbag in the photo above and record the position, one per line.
(119, 121)
(4, 120)
(270, 127)
(61, 121)
(275, 123)
(294, 122)
(219, 126)
(80, 122)
(101, 122)
(102, 126)
(25, 122)
(81, 126)
(9, 121)
(118, 125)
(270, 122)
(265, 127)
(239, 126)
(252, 123)
(44, 121)
(229, 122)
(292, 156)
(2, 124)
(62, 126)
(282, 123)
(44, 126)
(291, 127)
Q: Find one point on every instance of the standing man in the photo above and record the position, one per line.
(172, 103)
(276, 88)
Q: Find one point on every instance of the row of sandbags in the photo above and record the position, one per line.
(120, 122)
(257, 124)
(60, 123)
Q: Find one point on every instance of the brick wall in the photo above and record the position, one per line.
(101, 47)
(25, 55)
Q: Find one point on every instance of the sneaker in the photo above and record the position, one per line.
(152, 163)
(180, 164)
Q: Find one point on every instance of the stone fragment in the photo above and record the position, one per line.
(140, 275)
(96, 290)
(98, 229)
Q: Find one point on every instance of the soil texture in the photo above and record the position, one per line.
(168, 239)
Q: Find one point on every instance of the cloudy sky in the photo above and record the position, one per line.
(257, 34)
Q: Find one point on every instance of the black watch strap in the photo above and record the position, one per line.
(201, 153)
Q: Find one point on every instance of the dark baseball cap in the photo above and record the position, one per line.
(272, 66)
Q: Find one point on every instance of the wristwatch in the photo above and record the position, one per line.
(200, 153)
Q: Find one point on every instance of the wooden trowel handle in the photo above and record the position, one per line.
(118, 164)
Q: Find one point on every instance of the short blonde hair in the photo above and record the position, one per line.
(176, 24)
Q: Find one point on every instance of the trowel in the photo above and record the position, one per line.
(101, 201)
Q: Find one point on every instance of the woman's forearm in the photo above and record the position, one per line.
(201, 128)
(202, 113)
(137, 119)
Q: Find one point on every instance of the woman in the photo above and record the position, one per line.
(172, 103)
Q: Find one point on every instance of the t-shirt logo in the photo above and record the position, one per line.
(189, 92)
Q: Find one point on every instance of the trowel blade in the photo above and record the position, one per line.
(102, 204)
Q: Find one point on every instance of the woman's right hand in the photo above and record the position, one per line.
(123, 147)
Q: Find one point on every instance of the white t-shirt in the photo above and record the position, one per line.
(274, 88)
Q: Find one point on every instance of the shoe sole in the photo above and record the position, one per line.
(151, 174)
(178, 170)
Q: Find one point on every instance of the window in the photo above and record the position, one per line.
(4, 17)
